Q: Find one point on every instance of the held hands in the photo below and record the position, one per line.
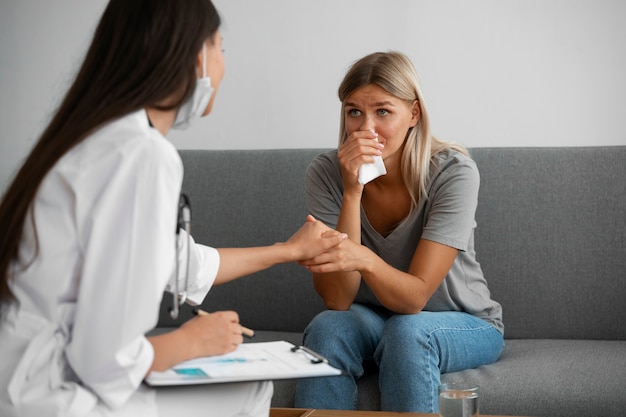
(344, 257)
(313, 238)
(334, 253)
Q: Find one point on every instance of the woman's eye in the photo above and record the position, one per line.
(354, 113)
(383, 112)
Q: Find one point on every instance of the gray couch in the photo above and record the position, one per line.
(551, 239)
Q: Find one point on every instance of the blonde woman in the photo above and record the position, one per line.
(405, 289)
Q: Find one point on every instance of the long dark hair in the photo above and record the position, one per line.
(142, 53)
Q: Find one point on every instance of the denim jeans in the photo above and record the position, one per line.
(411, 351)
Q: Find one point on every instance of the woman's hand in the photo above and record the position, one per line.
(360, 148)
(344, 257)
(313, 238)
(336, 276)
(204, 335)
(213, 333)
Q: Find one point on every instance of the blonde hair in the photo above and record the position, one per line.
(394, 73)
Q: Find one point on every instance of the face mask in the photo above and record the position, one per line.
(197, 103)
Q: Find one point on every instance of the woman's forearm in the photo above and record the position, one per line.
(339, 289)
(312, 239)
(408, 292)
(239, 262)
(169, 349)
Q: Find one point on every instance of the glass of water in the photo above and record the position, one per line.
(458, 399)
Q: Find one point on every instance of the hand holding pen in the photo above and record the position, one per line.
(244, 330)
(212, 334)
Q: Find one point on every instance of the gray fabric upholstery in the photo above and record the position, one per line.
(551, 239)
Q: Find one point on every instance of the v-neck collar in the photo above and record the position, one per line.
(396, 231)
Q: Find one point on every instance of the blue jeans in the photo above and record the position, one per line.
(411, 351)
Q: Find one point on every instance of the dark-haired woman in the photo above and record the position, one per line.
(87, 228)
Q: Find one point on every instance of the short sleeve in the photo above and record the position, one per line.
(452, 201)
(204, 263)
(324, 189)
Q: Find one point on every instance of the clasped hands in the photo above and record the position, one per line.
(324, 249)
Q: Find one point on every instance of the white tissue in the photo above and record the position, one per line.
(368, 172)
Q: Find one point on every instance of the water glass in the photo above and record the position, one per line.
(458, 400)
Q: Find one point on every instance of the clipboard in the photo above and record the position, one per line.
(249, 362)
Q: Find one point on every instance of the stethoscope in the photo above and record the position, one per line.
(183, 222)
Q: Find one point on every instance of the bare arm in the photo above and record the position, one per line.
(310, 240)
(220, 332)
(338, 288)
(401, 292)
(408, 292)
(206, 335)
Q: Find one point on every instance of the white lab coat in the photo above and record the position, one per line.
(105, 216)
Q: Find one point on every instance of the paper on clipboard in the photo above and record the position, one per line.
(249, 362)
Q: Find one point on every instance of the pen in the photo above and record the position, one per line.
(244, 330)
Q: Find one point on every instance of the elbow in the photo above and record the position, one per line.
(337, 305)
(409, 310)
(334, 301)
(335, 298)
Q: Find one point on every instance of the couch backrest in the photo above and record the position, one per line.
(551, 235)
(551, 239)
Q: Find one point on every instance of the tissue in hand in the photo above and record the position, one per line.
(368, 172)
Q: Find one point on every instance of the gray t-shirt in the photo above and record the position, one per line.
(446, 216)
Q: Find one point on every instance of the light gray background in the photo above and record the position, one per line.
(494, 72)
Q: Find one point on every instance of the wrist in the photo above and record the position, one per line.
(352, 196)
(170, 349)
(186, 343)
(369, 261)
(286, 252)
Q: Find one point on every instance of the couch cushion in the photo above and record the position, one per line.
(563, 377)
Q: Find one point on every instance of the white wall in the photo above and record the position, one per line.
(494, 72)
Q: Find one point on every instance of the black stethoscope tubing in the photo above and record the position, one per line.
(183, 222)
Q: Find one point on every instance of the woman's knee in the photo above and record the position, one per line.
(355, 333)
(325, 324)
(411, 334)
(455, 340)
(344, 324)
(409, 328)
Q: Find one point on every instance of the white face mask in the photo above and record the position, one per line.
(195, 106)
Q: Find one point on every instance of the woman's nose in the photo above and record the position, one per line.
(368, 124)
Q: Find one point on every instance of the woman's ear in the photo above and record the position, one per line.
(200, 61)
(416, 113)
